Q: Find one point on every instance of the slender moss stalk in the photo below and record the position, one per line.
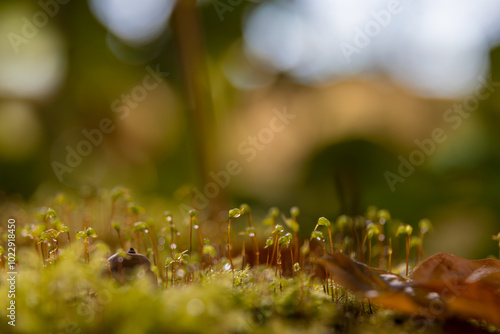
(278, 231)
(192, 216)
(295, 212)
(200, 237)
(407, 242)
(243, 256)
(245, 209)
(167, 218)
(210, 252)
(116, 194)
(322, 221)
(389, 266)
(85, 235)
(169, 262)
(269, 243)
(383, 217)
(407, 231)
(424, 226)
(117, 228)
(271, 220)
(233, 213)
(371, 231)
(284, 240)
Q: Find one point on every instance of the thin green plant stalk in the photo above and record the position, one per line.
(383, 217)
(233, 213)
(274, 249)
(322, 221)
(407, 242)
(296, 240)
(424, 225)
(156, 254)
(166, 276)
(138, 241)
(172, 242)
(330, 237)
(295, 212)
(254, 240)
(40, 251)
(191, 235)
(363, 237)
(201, 248)
(389, 265)
(370, 252)
(245, 209)
(380, 250)
(87, 254)
(243, 256)
(178, 234)
(173, 273)
(117, 228)
(407, 231)
(229, 245)
(85, 235)
(279, 266)
(120, 240)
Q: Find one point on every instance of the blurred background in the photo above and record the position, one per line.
(328, 105)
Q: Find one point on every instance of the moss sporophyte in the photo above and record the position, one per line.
(187, 274)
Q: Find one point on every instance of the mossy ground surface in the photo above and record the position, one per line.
(70, 293)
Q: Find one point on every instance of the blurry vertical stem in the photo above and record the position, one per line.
(274, 249)
(254, 240)
(192, 216)
(370, 252)
(294, 211)
(278, 230)
(156, 254)
(424, 226)
(188, 36)
(407, 242)
(233, 213)
(269, 243)
(198, 230)
(245, 208)
(407, 231)
(273, 214)
(371, 231)
(229, 243)
(322, 221)
(279, 265)
(389, 269)
(383, 217)
(117, 228)
(40, 250)
(243, 256)
(167, 218)
(85, 235)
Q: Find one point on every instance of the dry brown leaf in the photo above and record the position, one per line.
(442, 286)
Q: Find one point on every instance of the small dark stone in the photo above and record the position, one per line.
(125, 269)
